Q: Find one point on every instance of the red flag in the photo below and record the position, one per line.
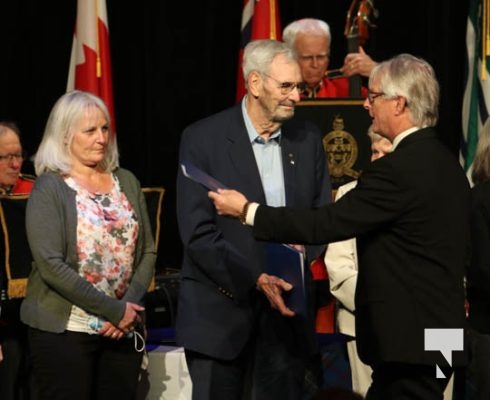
(90, 63)
(260, 20)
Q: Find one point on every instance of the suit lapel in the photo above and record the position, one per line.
(289, 162)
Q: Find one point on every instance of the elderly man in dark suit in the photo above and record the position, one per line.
(226, 319)
(409, 212)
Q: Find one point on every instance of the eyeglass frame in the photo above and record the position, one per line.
(8, 158)
(288, 87)
(319, 58)
(372, 95)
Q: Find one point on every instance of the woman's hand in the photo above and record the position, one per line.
(131, 317)
(110, 331)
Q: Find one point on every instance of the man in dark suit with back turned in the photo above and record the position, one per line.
(226, 319)
(409, 213)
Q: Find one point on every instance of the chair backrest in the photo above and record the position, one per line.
(154, 201)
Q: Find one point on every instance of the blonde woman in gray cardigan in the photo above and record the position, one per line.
(90, 237)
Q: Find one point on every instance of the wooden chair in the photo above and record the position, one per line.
(154, 201)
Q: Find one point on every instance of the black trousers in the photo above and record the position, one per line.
(397, 381)
(79, 366)
(479, 368)
(14, 369)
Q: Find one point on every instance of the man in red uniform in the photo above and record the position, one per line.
(13, 371)
(311, 39)
(11, 158)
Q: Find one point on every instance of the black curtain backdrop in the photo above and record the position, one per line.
(175, 62)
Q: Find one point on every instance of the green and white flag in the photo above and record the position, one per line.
(476, 102)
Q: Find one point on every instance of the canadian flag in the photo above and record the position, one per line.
(90, 63)
(260, 20)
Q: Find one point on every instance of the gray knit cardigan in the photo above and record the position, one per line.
(54, 284)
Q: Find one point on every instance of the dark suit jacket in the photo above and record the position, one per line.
(222, 260)
(479, 267)
(409, 213)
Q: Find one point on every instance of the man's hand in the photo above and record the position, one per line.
(298, 247)
(273, 287)
(357, 64)
(228, 202)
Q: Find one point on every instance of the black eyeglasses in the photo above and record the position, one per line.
(373, 95)
(288, 87)
(8, 158)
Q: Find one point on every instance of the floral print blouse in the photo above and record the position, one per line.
(107, 230)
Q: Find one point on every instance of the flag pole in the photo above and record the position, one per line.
(98, 63)
(485, 41)
(272, 22)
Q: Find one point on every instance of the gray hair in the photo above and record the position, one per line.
(54, 152)
(6, 126)
(414, 79)
(481, 163)
(306, 25)
(259, 54)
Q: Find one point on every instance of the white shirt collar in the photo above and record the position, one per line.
(403, 135)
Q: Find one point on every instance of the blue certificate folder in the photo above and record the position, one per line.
(288, 263)
(198, 175)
